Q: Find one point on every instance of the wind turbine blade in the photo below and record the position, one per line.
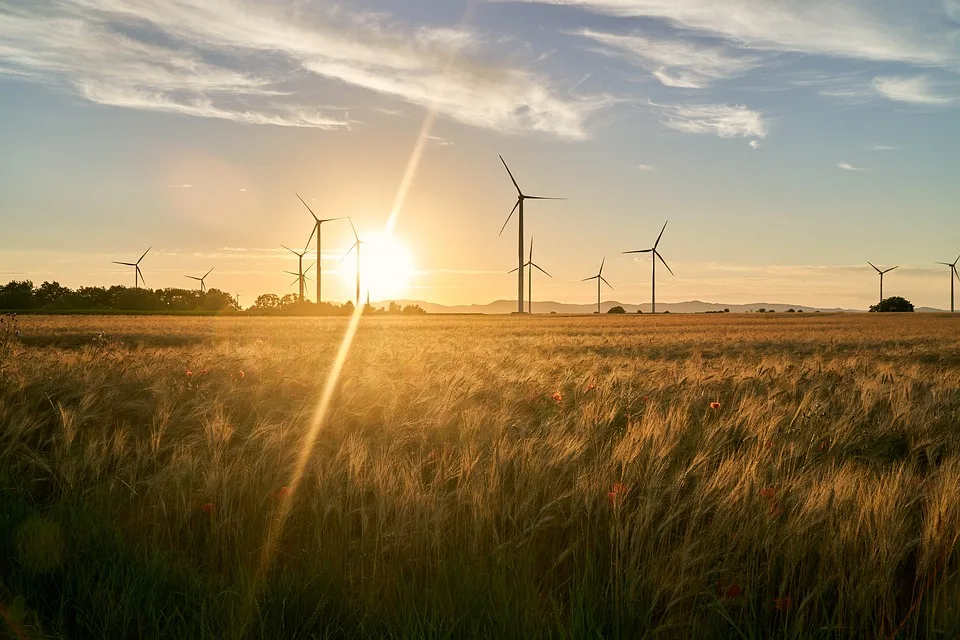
(956, 273)
(537, 267)
(194, 278)
(891, 269)
(606, 283)
(289, 249)
(357, 237)
(874, 266)
(512, 179)
(590, 278)
(655, 244)
(664, 263)
(293, 273)
(514, 270)
(946, 264)
(297, 281)
(332, 219)
(956, 261)
(602, 262)
(640, 251)
(142, 279)
(126, 264)
(306, 247)
(541, 198)
(308, 268)
(144, 254)
(349, 251)
(208, 273)
(530, 259)
(508, 217)
(308, 208)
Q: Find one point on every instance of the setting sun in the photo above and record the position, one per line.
(386, 268)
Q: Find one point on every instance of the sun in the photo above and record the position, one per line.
(386, 268)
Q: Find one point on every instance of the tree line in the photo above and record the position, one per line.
(22, 295)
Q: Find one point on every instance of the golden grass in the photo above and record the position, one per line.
(449, 494)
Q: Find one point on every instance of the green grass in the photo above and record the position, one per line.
(449, 495)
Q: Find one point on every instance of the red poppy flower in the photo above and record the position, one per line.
(188, 373)
(823, 445)
(556, 396)
(207, 508)
(714, 405)
(284, 492)
(733, 591)
(240, 374)
(768, 493)
(775, 510)
(591, 387)
(613, 497)
(646, 398)
(783, 603)
(619, 487)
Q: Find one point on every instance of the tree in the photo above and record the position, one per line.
(17, 294)
(894, 304)
(413, 309)
(267, 302)
(791, 310)
(394, 308)
(617, 309)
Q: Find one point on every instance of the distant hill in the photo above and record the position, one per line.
(693, 306)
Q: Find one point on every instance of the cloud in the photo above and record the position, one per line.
(262, 63)
(725, 121)
(916, 32)
(846, 166)
(754, 144)
(181, 186)
(918, 90)
(645, 167)
(243, 190)
(443, 142)
(690, 64)
(879, 147)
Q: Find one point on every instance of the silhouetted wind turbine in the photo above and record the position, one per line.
(530, 266)
(599, 277)
(137, 274)
(519, 205)
(953, 272)
(317, 230)
(356, 245)
(300, 255)
(881, 276)
(301, 278)
(202, 281)
(653, 260)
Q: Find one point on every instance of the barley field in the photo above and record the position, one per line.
(760, 476)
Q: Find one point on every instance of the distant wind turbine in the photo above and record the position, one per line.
(519, 205)
(530, 267)
(319, 222)
(301, 278)
(881, 276)
(356, 245)
(137, 274)
(599, 278)
(300, 255)
(202, 281)
(953, 272)
(653, 259)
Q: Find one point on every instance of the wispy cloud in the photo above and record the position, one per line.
(918, 90)
(916, 32)
(725, 121)
(846, 166)
(689, 64)
(879, 147)
(443, 142)
(249, 61)
(645, 167)
(181, 186)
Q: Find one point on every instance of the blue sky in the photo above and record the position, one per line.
(787, 142)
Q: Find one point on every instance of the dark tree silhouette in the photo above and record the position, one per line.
(894, 304)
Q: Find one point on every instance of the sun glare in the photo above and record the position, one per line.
(386, 268)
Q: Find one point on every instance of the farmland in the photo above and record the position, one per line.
(715, 476)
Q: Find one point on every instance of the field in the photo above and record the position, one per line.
(761, 476)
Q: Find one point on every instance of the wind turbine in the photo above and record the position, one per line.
(137, 274)
(881, 276)
(356, 245)
(203, 284)
(653, 260)
(300, 255)
(599, 277)
(953, 272)
(316, 229)
(301, 277)
(521, 196)
(530, 266)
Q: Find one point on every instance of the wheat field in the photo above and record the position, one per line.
(760, 476)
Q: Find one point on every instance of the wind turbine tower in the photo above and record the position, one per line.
(885, 271)
(137, 274)
(953, 272)
(599, 278)
(202, 280)
(318, 222)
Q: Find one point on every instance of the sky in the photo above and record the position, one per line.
(787, 143)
